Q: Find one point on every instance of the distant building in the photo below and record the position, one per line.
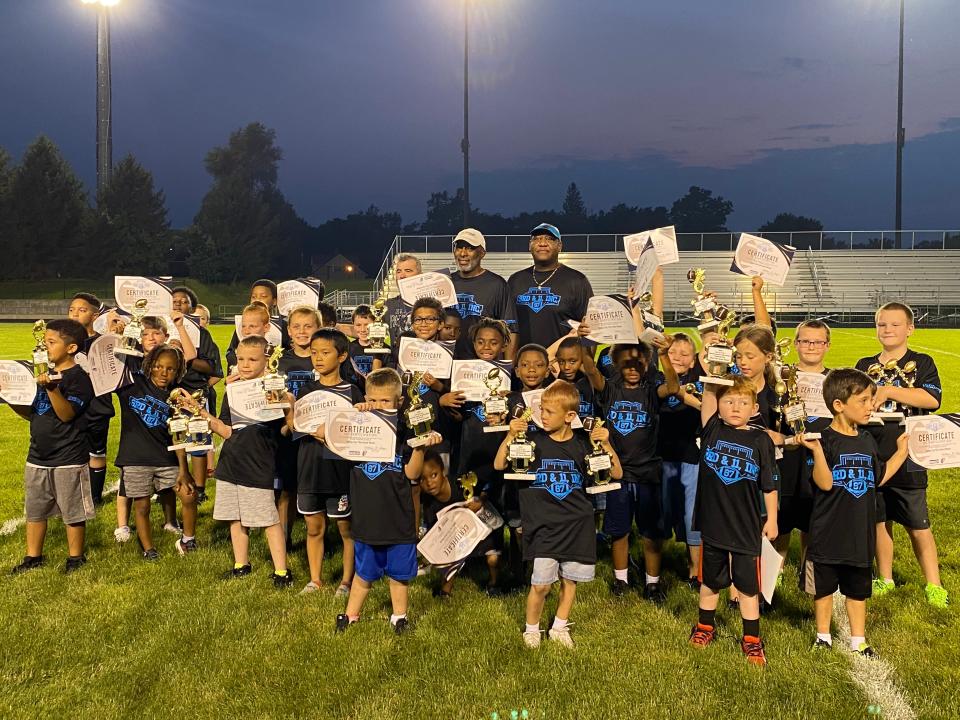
(339, 267)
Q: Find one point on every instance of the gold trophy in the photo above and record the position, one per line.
(691, 389)
(419, 415)
(520, 452)
(495, 404)
(715, 317)
(890, 373)
(177, 424)
(41, 361)
(468, 482)
(274, 382)
(780, 351)
(378, 332)
(130, 340)
(794, 411)
(599, 462)
(199, 435)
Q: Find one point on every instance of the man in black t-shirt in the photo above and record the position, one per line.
(548, 293)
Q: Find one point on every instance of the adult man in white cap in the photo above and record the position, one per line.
(480, 292)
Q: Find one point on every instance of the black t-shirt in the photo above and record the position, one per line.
(249, 456)
(299, 372)
(144, 437)
(796, 465)
(430, 506)
(316, 473)
(843, 524)
(276, 321)
(556, 513)
(766, 416)
(478, 449)
(679, 424)
(542, 311)
(382, 500)
(633, 416)
(358, 365)
(736, 468)
(397, 317)
(54, 443)
(910, 475)
(207, 350)
(588, 405)
(485, 295)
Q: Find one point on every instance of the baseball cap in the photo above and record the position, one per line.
(545, 229)
(471, 237)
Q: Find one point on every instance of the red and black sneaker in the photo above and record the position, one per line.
(753, 650)
(702, 635)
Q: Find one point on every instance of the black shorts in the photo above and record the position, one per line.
(794, 514)
(336, 507)
(719, 567)
(822, 579)
(904, 506)
(639, 502)
(97, 432)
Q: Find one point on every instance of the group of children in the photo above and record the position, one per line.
(712, 464)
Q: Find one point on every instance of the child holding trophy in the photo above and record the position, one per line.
(557, 515)
(914, 389)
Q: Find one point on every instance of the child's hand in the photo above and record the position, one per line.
(600, 434)
(756, 282)
(810, 444)
(517, 426)
(770, 529)
(434, 438)
(428, 379)
(474, 505)
(177, 318)
(185, 485)
(232, 377)
(363, 406)
(114, 323)
(881, 396)
(583, 329)
(175, 343)
(663, 343)
(711, 337)
(902, 442)
(452, 399)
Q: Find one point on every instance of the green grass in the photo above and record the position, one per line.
(125, 638)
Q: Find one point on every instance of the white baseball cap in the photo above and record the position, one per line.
(471, 237)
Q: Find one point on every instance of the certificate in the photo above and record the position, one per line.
(533, 399)
(363, 437)
(294, 293)
(757, 256)
(771, 562)
(17, 384)
(810, 390)
(457, 532)
(664, 242)
(191, 323)
(107, 371)
(469, 377)
(647, 264)
(128, 289)
(610, 320)
(310, 410)
(428, 284)
(425, 356)
(274, 335)
(248, 404)
(934, 440)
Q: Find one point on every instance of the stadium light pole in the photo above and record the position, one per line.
(104, 94)
(465, 142)
(901, 137)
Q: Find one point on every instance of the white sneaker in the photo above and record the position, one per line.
(342, 591)
(310, 587)
(561, 635)
(121, 534)
(531, 638)
(171, 528)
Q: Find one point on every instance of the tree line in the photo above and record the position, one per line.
(245, 228)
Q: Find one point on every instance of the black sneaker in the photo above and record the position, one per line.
(401, 626)
(821, 644)
(75, 563)
(866, 651)
(694, 584)
(186, 547)
(494, 591)
(734, 604)
(620, 588)
(151, 555)
(343, 622)
(29, 562)
(654, 593)
(201, 496)
(283, 581)
(237, 572)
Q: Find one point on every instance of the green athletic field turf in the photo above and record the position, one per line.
(125, 638)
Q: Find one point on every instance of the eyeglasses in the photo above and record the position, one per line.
(813, 343)
(425, 320)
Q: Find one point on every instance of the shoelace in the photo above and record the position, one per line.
(702, 635)
(753, 649)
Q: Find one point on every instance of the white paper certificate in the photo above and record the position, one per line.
(610, 321)
(105, 369)
(310, 411)
(128, 289)
(428, 284)
(456, 533)
(934, 440)
(664, 242)
(361, 436)
(468, 376)
(294, 293)
(248, 404)
(17, 384)
(191, 324)
(757, 256)
(425, 356)
(533, 399)
(810, 389)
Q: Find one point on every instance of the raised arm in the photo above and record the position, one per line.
(708, 406)
(760, 313)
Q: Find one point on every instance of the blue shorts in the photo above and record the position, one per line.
(634, 501)
(397, 562)
(679, 494)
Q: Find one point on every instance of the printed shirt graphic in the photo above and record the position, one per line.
(633, 417)
(910, 475)
(485, 295)
(736, 469)
(542, 312)
(556, 514)
(843, 520)
(299, 371)
(54, 443)
(249, 456)
(679, 423)
(314, 472)
(382, 499)
(143, 424)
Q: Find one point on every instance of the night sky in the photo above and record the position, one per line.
(780, 106)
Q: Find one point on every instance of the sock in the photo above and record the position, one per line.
(652, 579)
(751, 628)
(559, 624)
(280, 573)
(620, 574)
(826, 638)
(186, 538)
(98, 476)
(237, 566)
(532, 628)
(353, 618)
(708, 618)
(856, 642)
(395, 618)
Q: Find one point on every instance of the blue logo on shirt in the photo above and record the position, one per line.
(150, 410)
(468, 306)
(731, 462)
(585, 409)
(537, 298)
(363, 364)
(41, 403)
(373, 470)
(626, 416)
(558, 477)
(479, 412)
(854, 473)
(296, 379)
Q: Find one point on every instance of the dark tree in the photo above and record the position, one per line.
(700, 211)
(788, 222)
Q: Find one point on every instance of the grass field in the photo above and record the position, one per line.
(127, 638)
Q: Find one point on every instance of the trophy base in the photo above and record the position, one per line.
(709, 325)
(883, 417)
(419, 440)
(811, 436)
(711, 380)
(377, 351)
(277, 406)
(124, 351)
(495, 428)
(178, 446)
(198, 448)
(606, 487)
(519, 476)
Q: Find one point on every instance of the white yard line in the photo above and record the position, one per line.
(875, 677)
(13, 524)
(913, 346)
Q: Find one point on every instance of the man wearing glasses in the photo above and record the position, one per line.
(547, 294)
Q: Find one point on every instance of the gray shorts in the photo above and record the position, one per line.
(140, 481)
(253, 507)
(546, 571)
(58, 492)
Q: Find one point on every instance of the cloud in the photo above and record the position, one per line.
(950, 123)
(794, 63)
(814, 126)
(822, 139)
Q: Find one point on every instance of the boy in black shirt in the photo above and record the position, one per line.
(904, 498)
(450, 330)
(262, 292)
(384, 519)
(558, 534)
(57, 473)
(737, 466)
(846, 469)
(360, 363)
